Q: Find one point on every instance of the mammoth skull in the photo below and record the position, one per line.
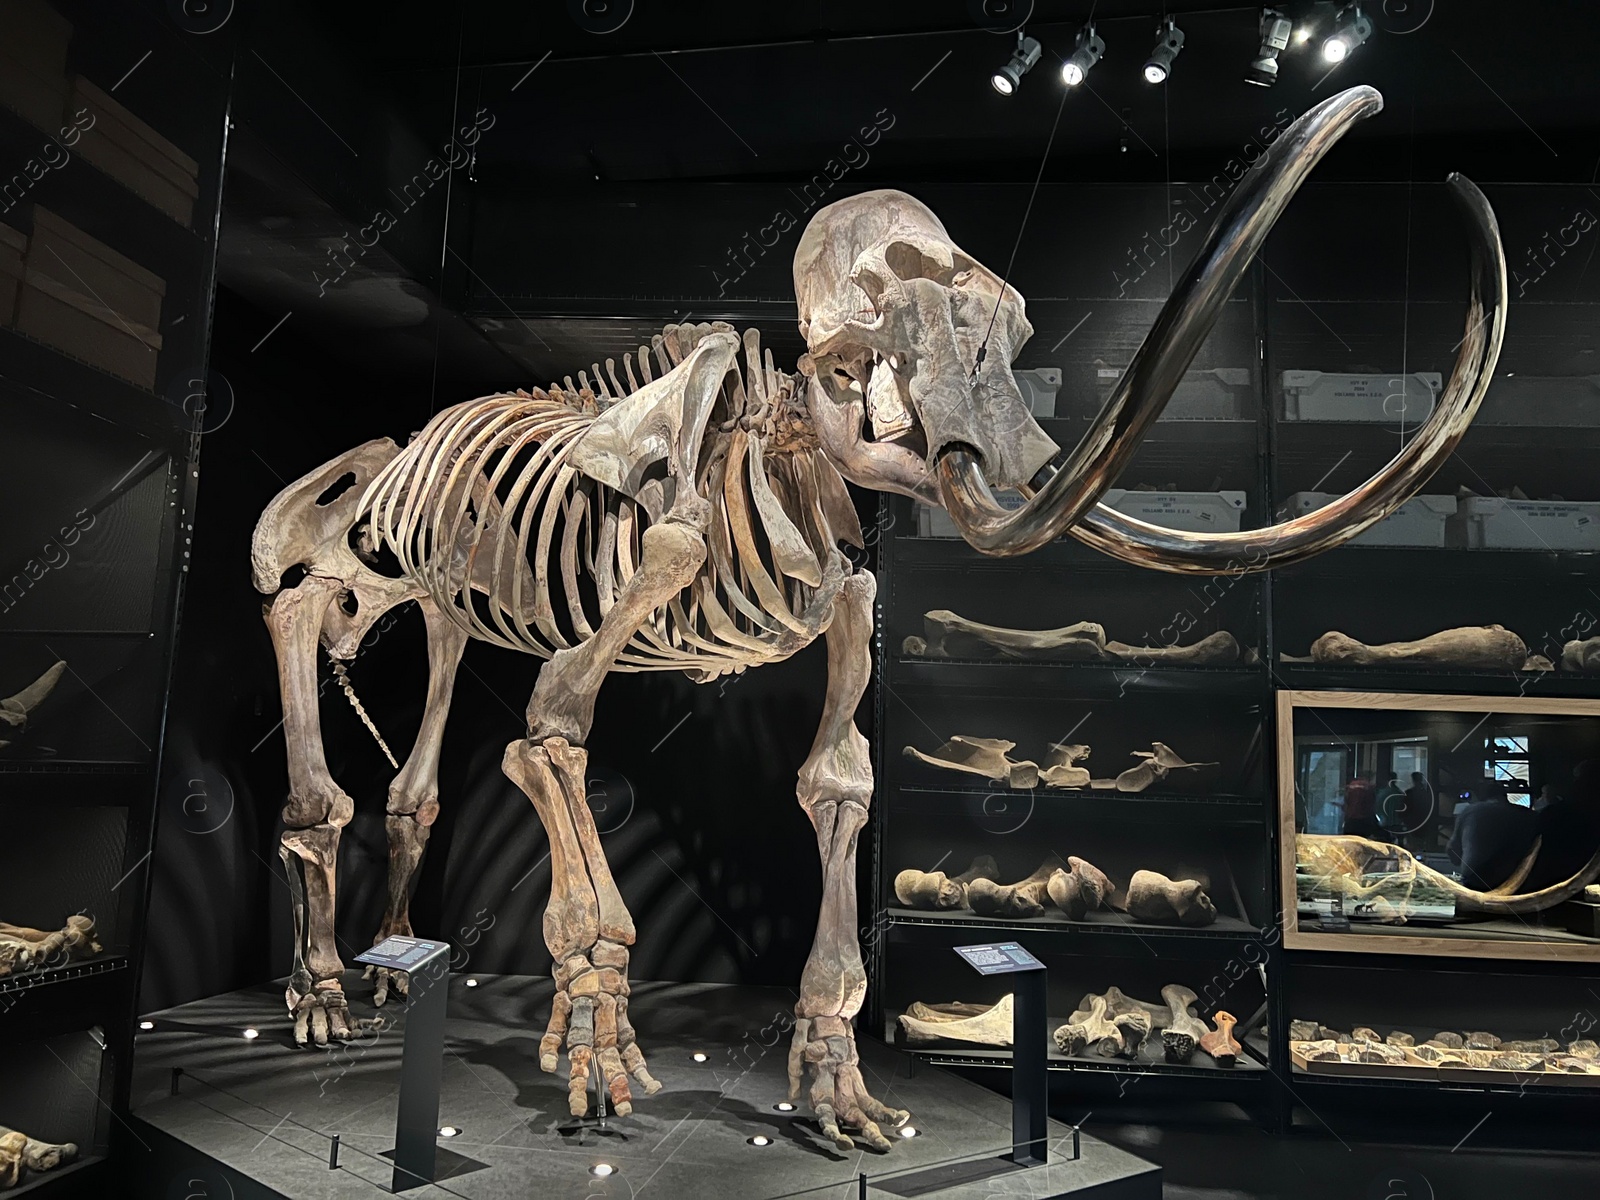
(910, 339)
(906, 331)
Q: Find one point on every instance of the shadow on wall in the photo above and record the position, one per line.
(692, 786)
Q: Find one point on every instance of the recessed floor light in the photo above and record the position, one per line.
(147, 1025)
(783, 1106)
(907, 1131)
(602, 1170)
(251, 1035)
(449, 1131)
(699, 1056)
(760, 1139)
(472, 983)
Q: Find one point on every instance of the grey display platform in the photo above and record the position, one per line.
(269, 1111)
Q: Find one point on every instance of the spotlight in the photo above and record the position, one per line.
(1275, 30)
(251, 1035)
(448, 1131)
(1009, 77)
(699, 1056)
(602, 1170)
(147, 1026)
(1089, 50)
(760, 1139)
(783, 1106)
(907, 1131)
(472, 983)
(1350, 30)
(1169, 40)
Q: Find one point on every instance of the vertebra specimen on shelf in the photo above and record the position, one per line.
(990, 758)
(15, 710)
(1220, 1043)
(1025, 898)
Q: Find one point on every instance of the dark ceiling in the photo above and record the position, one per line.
(688, 110)
(724, 90)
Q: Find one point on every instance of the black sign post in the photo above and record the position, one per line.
(1030, 1087)
(416, 1134)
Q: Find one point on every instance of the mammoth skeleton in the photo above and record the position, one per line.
(686, 514)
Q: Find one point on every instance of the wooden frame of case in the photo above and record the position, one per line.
(1294, 938)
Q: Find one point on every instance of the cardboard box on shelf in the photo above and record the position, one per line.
(63, 252)
(13, 245)
(135, 155)
(1420, 521)
(73, 323)
(33, 62)
(1388, 398)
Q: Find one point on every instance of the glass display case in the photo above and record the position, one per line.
(1440, 824)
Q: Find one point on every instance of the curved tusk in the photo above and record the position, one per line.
(1185, 320)
(1492, 903)
(1397, 481)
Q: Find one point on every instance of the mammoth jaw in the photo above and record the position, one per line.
(837, 415)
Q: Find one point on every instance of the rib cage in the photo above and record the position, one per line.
(484, 510)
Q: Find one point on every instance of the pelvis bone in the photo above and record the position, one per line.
(949, 635)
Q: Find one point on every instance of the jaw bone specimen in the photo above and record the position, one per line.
(15, 710)
(949, 635)
(1470, 648)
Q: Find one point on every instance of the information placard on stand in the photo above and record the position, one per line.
(416, 1132)
(1030, 1097)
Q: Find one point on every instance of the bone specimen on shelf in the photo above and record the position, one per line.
(1088, 1027)
(1449, 1039)
(1303, 1031)
(1339, 863)
(1581, 655)
(1481, 1040)
(988, 1026)
(1159, 761)
(19, 1153)
(1061, 768)
(949, 635)
(15, 710)
(1584, 1048)
(25, 949)
(1363, 1034)
(936, 891)
(1470, 648)
(1530, 1046)
(1428, 1052)
(1220, 1043)
(1183, 1029)
(1399, 1038)
(1025, 898)
(1080, 889)
(1154, 897)
(986, 757)
(1378, 1052)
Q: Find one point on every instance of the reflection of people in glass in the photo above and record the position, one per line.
(1361, 808)
(1392, 805)
(1492, 837)
(1546, 797)
(1570, 828)
(1421, 815)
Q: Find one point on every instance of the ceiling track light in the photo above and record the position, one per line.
(1089, 50)
(1275, 31)
(1023, 59)
(1350, 29)
(1169, 40)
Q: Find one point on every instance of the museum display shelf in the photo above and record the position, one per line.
(995, 802)
(262, 1114)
